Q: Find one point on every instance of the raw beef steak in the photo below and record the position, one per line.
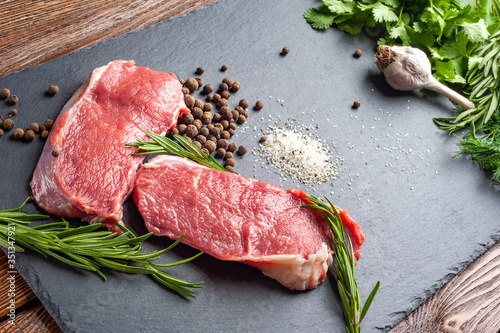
(85, 171)
(238, 219)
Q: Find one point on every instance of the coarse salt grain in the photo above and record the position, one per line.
(299, 156)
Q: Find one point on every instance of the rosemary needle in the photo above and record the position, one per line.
(345, 263)
(86, 248)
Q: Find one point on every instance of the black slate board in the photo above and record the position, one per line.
(424, 213)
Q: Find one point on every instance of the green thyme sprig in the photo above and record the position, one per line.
(344, 266)
(184, 148)
(89, 249)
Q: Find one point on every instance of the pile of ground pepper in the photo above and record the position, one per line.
(299, 156)
(212, 122)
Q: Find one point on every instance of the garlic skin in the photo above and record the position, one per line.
(407, 68)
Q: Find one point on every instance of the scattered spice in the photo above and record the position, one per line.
(55, 153)
(208, 88)
(356, 104)
(200, 81)
(1, 132)
(242, 150)
(232, 147)
(29, 135)
(8, 124)
(230, 162)
(224, 68)
(210, 146)
(48, 124)
(227, 81)
(45, 134)
(358, 53)
(259, 105)
(53, 89)
(285, 51)
(19, 133)
(236, 86)
(244, 103)
(189, 100)
(12, 112)
(13, 99)
(34, 127)
(5, 93)
(200, 70)
(191, 84)
(229, 168)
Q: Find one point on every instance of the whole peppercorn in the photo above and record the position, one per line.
(207, 107)
(12, 112)
(197, 144)
(55, 153)
(216, 118)
(205, 131)
(5, 93)
(225, 94)
(230, 162)
(200, 70)
(358, 53)
(189, 100)
(244, 103)
(210, 146)
(216, 98)
(224, 109)
(173, 74)
(205, 150)
(1, 132)
(173, 132)
(223, 87)
(187, 118)
(220, 152)
(181, 81)
(212, 138)
(229, 168)
(232, 126)
(198, 103)
(222, 102)
(208, 88)
(45, 134)
(356, 104)
(239, 109)
(42, 128)
(8, 124)
(236, 114)
(259, 105)
(224, 123)
(244, 113)
(200, 81)
(227, 81)
(34, 127)
(29, 135)
(226, 114)
(241, 119)
(225, 135)
(191, 84)
(185, 90)
(232, 147)
(206, 118)
(224, 68)
(201, 138)
(262, 139)
(53, 89)
(242, 150)
(215, 132)
(182, 129)
(188, 138)
(48, 124)
(13, 99)
(197, 123)
(219, 126)
(231, 132)
(236, 86)
(191, 131)
(210, 126)
(285, 51)
(209, 98)
(222, 143)
(19, 133)
(228, 155)
(197, 113)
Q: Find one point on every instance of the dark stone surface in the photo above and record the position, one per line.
(424, 213)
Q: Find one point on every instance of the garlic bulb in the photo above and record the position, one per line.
(407, 68)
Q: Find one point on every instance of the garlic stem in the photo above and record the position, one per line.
(453, 96)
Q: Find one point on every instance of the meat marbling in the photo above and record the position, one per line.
(238, 219)
(85, 171)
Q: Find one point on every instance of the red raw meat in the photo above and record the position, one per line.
(234, 218)
(85, 171)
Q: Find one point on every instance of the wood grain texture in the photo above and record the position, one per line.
(468, 303)
(32, 32)
(36, 319)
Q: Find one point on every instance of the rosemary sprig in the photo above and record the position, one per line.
(86, 248)
(344, 266)
(183, 148)
(345, 262)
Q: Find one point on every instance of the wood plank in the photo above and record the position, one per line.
(32, 32)
(36, 319)
(23, 293)
(468, 303)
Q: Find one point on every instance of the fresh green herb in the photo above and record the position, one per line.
(183, 148)
(344, 266)
(86, 248)
(345, 262)
(461, 39)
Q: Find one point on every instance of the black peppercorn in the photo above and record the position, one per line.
(230, 162)
(200, 70)
(191, 131)
(189, 100)
(34, 127)
(244, 103)
(358, 53)
(19, 133)
(45, 134)
(8, 124)
(13, 99)
(206, 118)
(201, 138)
(187, 118)
(225, 135)
(356, 104)
(197, 144)
(48, 123)
(222, 143)
(224, 68)
(285, 51)
(182, 129)
(210, 146)
(259, 105)
(236, 86)
(208, 88)
(216, 118)
(198, 103)
(225, 94)
(241, 119)
(197, 113)
(229, 168)
(5, 93)
(232, 147)
(220, 152)
(207, 107)
(29, 135)
(191, 84)
(204, 131)
(242, 150)
(197, 123)
(200, 81)
(53, 89)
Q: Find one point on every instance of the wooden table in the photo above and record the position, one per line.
(34, 32)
